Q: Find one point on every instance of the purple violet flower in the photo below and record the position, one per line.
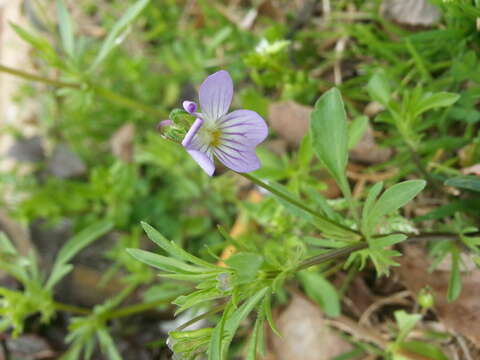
(231, 137)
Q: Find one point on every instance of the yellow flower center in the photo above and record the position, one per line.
(215, 138)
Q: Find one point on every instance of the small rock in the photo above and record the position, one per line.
(290, 120)
(64, 163)
(305, 335)
(27, 150)
(411, 12)
(367, 151)
(29, 347)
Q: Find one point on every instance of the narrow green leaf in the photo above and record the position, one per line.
(173, 249)
(465, 182)
(356, 130)
(392, 199)
(108, 345)
(253, 344)
(75, 245)
(328, 124)
(369, 202)
(430, 101)
(226, 331)
(6, 245)
(164, 263)
(115, 35)
(425, 350)
(379, 88)
(66, 28)
(406, 322)
(321, 291)
(455, 282)
(267, 309)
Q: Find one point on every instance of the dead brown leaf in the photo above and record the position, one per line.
(411, 12)
(367, 151)
(122, 142)
(472, 170)
(290, 120)
(461, 316)
(305, 334)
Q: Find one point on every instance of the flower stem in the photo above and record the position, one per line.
(295, 202)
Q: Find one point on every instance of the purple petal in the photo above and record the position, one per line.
(190, 106)
(202, 154)
(243, 126)
(215, 95)
(237, 157)
(197, 124)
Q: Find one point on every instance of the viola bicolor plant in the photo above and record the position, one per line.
(231, 137)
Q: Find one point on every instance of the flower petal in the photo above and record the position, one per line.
(202, 154)
(215, 95)
(243, 126)
(237, 157)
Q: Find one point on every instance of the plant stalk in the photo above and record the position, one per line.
(294, 201)
(105, 93)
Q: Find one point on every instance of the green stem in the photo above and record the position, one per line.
(33, 77)
(331, 255)
(105, 93)
(127, 102)
(295, 202)
(205, 315)
(71, 308)
(137, 308)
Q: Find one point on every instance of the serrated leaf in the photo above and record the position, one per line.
(246, 266)
(391, 200)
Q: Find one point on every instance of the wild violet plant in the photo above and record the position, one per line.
(249, 279)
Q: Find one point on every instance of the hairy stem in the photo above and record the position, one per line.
(331, 255)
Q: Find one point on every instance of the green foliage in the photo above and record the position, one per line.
(424, 87)
(328, 124)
